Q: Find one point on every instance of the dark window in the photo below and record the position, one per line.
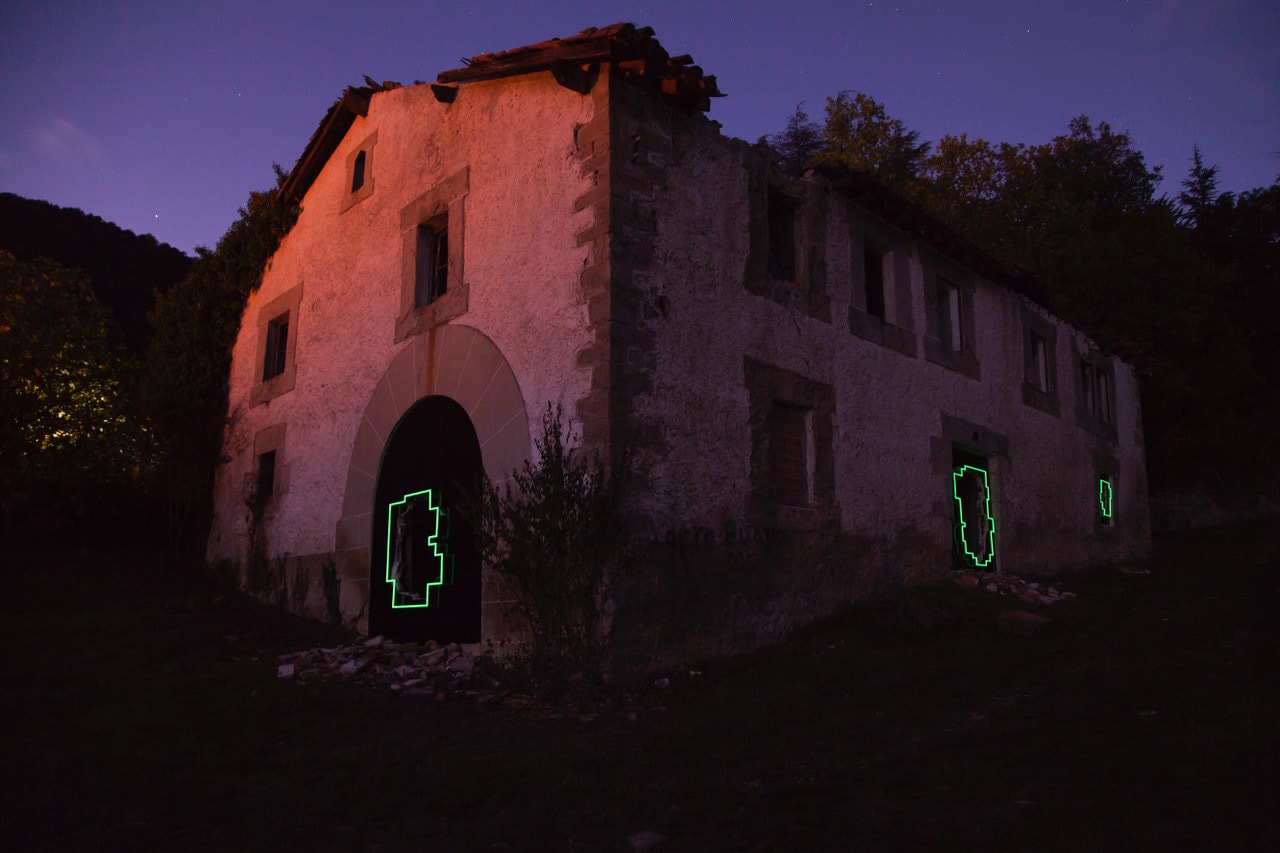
(789, 454)
(873, 273)
(950, 311)
(1095, 392)
(357, 171)
(273, 360)
(782, 236)
(432, 261)
(1038, 364)
(266, 474)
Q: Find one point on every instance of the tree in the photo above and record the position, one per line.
(800, 141)
(860, 135)
(189, 360)
(67, 425)
(556, 536)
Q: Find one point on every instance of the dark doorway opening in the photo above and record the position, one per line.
(973, 526)
(424, 578)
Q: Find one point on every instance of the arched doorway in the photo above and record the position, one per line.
(424, 578)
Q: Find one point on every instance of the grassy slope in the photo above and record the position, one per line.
(141, 709)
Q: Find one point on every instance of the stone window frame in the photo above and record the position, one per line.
(446, 201)
(939, 272)
(768, 387)
(1035, 326)
(354, 195)
(268, 444)
(895, 330)
(806, 291)
(1095, 405)
(286, 305)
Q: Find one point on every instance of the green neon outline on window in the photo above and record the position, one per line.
(434, 540)
(1106, 496)
(962, 540)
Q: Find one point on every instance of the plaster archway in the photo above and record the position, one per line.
(454, 361)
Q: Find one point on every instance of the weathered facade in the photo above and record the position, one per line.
(824, 392)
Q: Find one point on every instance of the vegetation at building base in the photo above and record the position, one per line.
(1186, 288)
(556, 539)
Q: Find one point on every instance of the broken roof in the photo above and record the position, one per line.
(572, 60)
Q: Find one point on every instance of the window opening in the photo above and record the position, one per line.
(782, 236)
(432, 261)
(790, 443)
(950, 319)
(357, 171)
(1106, 495)
(273, 360)
(419, 562)
(266, 485)
(1039, 363)
(873, 275)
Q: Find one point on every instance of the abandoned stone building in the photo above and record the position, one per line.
(823, 391)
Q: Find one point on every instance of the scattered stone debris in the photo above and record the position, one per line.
(447, 671)
(1031, 592)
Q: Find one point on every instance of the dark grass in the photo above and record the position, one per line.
(141, 711)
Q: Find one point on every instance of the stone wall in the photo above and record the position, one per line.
(721, 339)
(506, 161)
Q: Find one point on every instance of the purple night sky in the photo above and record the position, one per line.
(162, 116)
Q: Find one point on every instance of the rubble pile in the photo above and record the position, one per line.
(446, 671)
(412, 668)
(1031, 592)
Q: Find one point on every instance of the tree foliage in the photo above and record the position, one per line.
(795, 147)
(859, 134)
(66, 420)
(556, 537)
(124, 269)
(189, 361)
(1184, 288)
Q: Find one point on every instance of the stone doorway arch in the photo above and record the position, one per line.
(464, 365)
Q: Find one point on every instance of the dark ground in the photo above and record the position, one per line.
(141, 710)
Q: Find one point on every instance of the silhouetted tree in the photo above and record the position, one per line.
(794, 148)
(188, 363)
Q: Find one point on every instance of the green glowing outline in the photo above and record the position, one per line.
(960, 525)
(445, 558)
(1106, 494)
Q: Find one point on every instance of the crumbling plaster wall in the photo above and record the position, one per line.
(517, 141)
(738, 581)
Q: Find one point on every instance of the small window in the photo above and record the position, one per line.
(357, 170)
(790, 455)
(277, 348)
(433, 261)
(873, 278)
(782, 236)
(266, 475)
(1038, 369)
(950, 309)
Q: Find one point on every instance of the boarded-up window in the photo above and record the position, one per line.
(790, 455)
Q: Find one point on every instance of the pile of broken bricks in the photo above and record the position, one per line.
(1000, 583)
